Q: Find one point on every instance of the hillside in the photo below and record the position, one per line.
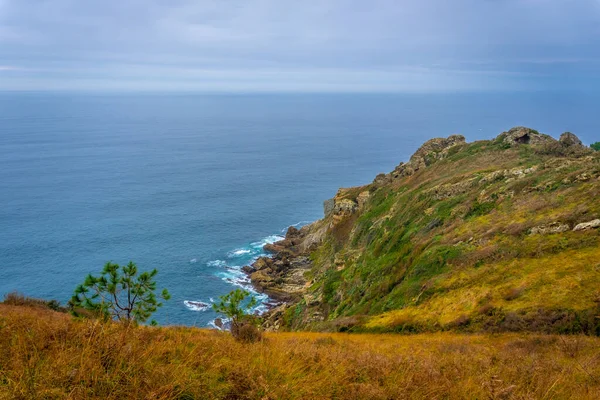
(495, 235)
(50, 355)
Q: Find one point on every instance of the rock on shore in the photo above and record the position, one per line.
(282, 275)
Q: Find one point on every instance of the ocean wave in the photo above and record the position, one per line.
(233, 274)
(267, 240)
(196, 305)
(216, 263)
(238, 253)
(235, 278)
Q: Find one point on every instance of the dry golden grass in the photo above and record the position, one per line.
(48, 355)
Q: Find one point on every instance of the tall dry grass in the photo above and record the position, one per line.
(48, 355)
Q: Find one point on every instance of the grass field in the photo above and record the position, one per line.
(49, 355)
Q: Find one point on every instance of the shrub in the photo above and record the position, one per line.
(18, 299)
(119, 293)
(236, 306)
(595, 146)
(247, 332)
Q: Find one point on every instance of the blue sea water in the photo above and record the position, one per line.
(195, 185)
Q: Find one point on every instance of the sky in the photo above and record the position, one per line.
(300, 46)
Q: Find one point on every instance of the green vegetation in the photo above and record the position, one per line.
(595, 146)
(451, 247)
(118, 293)
(236, 306)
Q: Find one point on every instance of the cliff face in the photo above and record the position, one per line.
(485, 236)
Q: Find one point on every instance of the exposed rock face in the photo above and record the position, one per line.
(328, 206)
(345, 207)
(554, 227)
(382, 179)
(281, 278)
(569, 139)
(282, 275)
(345, 203)
(522, 135)
(431, 151)
(587, 225)
(363, 198)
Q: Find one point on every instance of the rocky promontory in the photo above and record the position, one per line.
(492, 235)
(282, 274)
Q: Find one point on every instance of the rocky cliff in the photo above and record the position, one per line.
(486, 236)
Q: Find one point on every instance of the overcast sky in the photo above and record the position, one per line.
(293, 45)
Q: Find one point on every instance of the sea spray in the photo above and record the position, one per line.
(229, 269)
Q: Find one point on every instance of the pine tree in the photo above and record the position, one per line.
(119, 293)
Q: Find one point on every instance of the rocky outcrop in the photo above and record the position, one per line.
(522, 135)
(281, 276)
(431, 151)
(569, 139)
(382, 180)
(346, 202)
(363, 198)
(328, 207)
(554, 227)
(587, 225)
(341, 205)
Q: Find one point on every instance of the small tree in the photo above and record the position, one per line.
(235, 306)
(119, 293)
(595, 146)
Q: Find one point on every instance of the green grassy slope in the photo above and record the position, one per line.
(479, 238)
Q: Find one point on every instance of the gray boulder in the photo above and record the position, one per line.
(522, 135)
(569, 139)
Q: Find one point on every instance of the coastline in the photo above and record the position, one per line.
(281, 275)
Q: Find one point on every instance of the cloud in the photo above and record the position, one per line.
(10, 68)
(252, 44)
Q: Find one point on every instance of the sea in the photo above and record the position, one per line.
(194, 185)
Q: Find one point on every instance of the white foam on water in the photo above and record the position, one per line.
(238, 253)
(193, 261)
(267, 240)
(226, 322)
(216, 263)
(196, 305)
(233, 275)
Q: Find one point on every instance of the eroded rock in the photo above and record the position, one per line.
(587, 225)
(431, 151)
(522, 135)
(554, 227)
(570, 139)
(382, 179)
(363, 198)
(328, 207)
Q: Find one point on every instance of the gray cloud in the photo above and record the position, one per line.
(338, 45)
